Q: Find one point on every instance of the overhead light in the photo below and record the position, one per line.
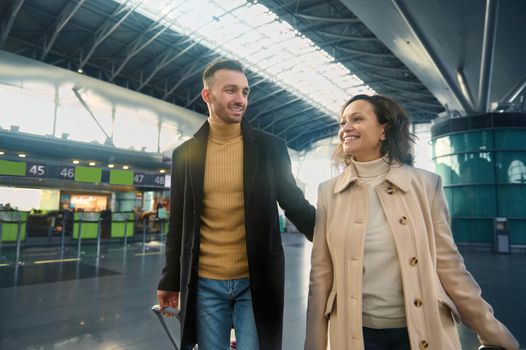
(76, 162)
(21, 155)
(80, 71)
(92, 163)
(162, 171)
(111, 166)
(125, 167)
(2, 153)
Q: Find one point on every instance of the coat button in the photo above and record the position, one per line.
(413, 261)
(390, 190)
(403, 220)
(418, 302)
(424, 345)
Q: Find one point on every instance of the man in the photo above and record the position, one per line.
(223, 251)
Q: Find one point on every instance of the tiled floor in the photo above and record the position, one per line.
(105, 303)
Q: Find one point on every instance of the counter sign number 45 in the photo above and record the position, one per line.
(36, 170)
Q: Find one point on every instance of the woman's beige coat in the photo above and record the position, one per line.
(437, 287)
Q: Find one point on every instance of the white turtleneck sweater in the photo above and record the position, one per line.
(383, 296)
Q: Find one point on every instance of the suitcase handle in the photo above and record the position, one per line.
(168, 312)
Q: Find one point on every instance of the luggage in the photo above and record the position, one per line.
(171, 313)
(174, 313)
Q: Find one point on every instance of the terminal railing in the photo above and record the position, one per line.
(13, 229)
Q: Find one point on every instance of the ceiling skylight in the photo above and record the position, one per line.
(251, 33)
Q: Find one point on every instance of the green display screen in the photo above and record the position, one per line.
(12, 168)
(85, 174)
(121, 177)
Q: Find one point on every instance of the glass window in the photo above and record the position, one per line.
(473, 230)
(30, 108)
(135, 129)
(510, 139)
(472, 141)
(511, 167)
(442, 146)
(475, 168)
(443, 168)
(474, 201)
(517, 231)
(512, 200)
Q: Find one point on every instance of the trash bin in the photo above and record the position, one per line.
(502, 236)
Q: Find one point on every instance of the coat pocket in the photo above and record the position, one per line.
(448, 303)
(331, 304)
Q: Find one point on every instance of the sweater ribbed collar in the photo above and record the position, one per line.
(372, 168)
(220, 131)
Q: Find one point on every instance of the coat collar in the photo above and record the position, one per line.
(399, 175)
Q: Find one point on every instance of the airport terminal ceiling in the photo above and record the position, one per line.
(146, 51)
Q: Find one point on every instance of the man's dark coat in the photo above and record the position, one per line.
(268, 179)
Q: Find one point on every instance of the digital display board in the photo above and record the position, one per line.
(83, 174)
(12, 168)
(121, 177)
(88, 174)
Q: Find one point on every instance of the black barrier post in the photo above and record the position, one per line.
(79, 237)
(18, 239)
(49, 230)
(1, 234)
(143, 235)
(63, 232)
(125, 234)
(162, 234)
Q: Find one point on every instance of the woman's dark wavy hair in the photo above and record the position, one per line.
(398, 143)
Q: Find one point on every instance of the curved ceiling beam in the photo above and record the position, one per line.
(63, 18)
(283, 105)
(322, 135)
(189, 70)
(310, 130)
(328, 19)
(166, 60)
(7, 23)
(276, 120)
(367, 53)
(488, 52)
(107, 28)
(316, 119)
(382, 67)
(138, 45)
(349, 37)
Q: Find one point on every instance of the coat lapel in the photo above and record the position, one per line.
(196, 158)
(347, 177)
(401, 176)
(250, 159)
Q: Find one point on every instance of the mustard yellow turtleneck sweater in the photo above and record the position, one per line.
(223, 253)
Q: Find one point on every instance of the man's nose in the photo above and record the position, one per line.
(240, 98)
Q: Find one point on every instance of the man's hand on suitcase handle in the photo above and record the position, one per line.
(168, 299)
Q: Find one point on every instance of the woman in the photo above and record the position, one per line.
(386, 273)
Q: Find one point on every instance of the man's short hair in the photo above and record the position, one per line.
(218, 65)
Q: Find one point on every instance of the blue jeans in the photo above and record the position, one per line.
(386, 339)
(220, 306)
